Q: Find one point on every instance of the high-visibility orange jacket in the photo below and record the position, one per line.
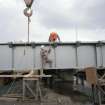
(53, 37)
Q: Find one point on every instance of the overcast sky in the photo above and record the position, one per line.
(84, 18)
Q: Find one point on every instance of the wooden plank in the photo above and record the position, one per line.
(12, 95)
(91, 75)
(8, 99)
(21, 76)
(34, 79)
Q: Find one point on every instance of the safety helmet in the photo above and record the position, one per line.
(42, 46)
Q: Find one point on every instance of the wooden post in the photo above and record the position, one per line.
(23, 89)
(77, 80)
(99, 96)
(93, 93)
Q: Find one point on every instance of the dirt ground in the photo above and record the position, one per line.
(61, 94)
(51, 98)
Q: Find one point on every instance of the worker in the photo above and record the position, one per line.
(44, 56)
(54, 37)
